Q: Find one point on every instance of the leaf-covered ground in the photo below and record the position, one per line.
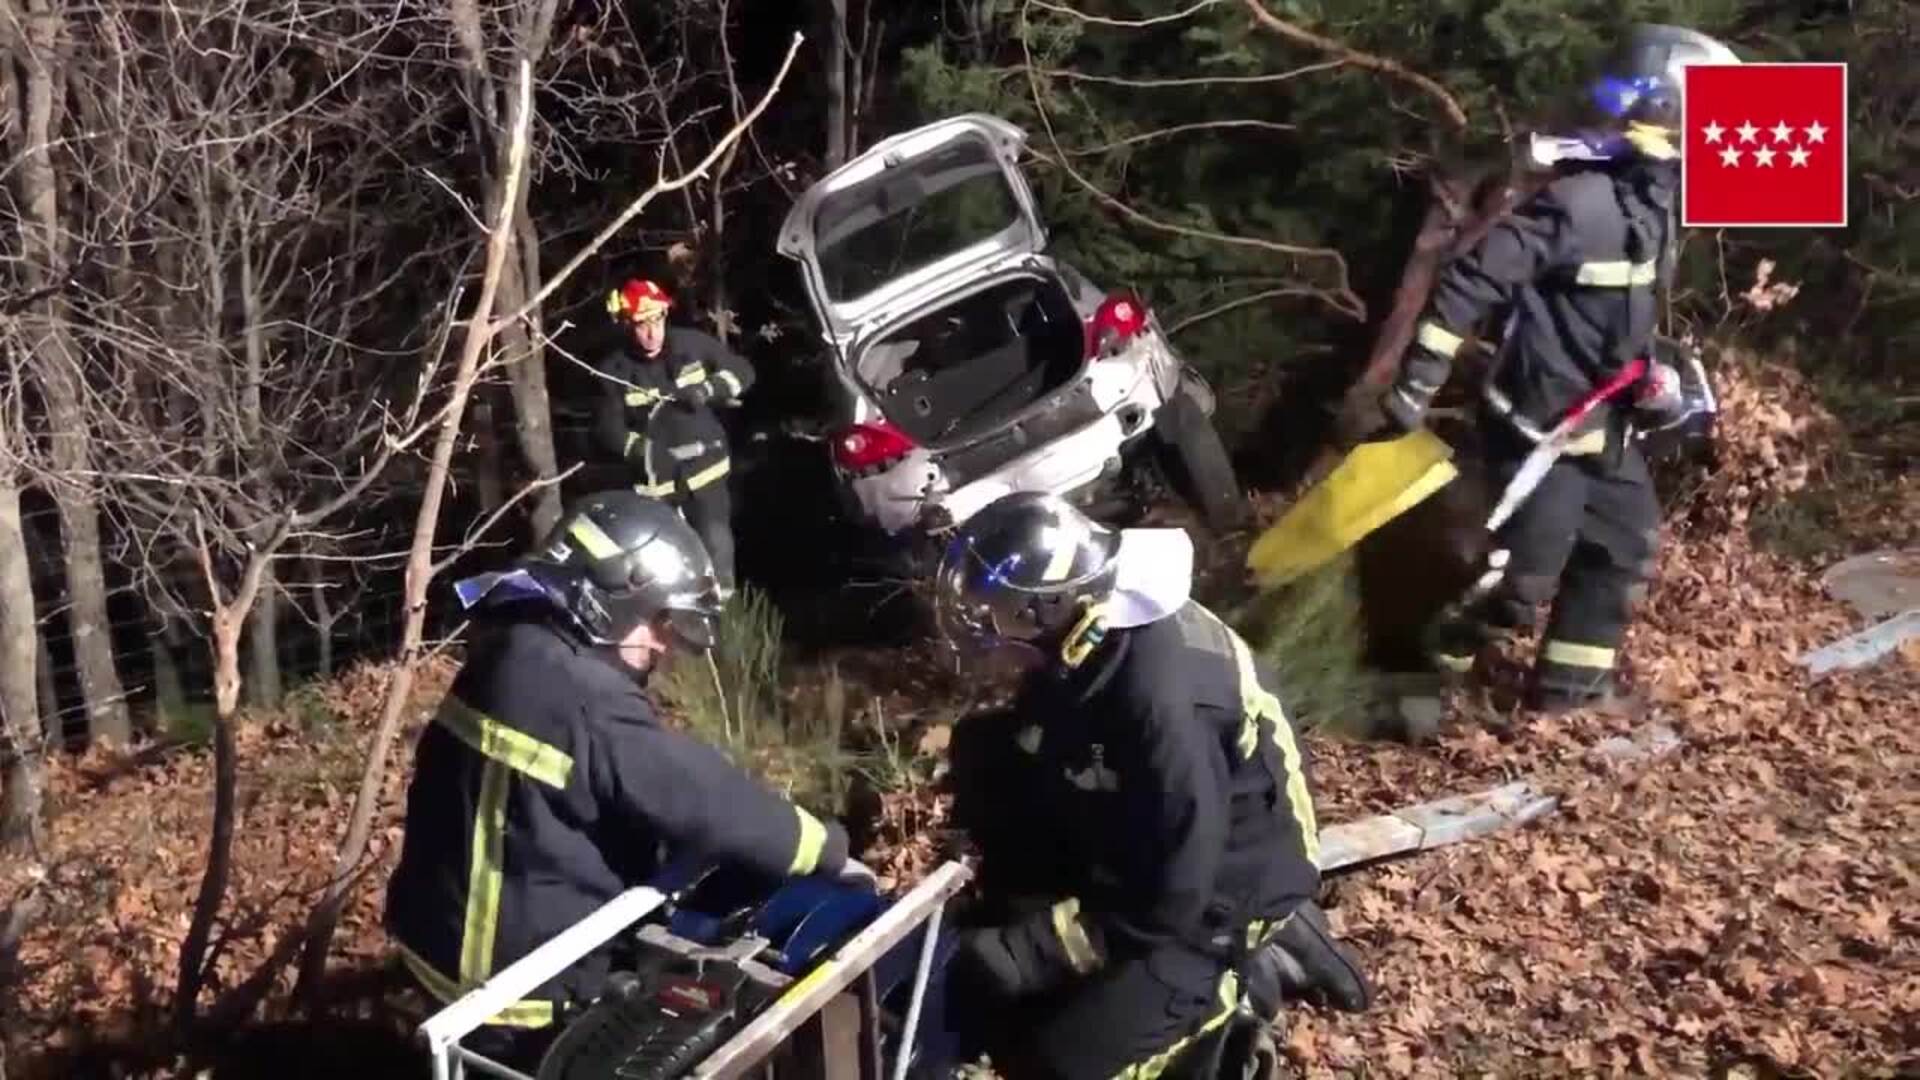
(1751, 902)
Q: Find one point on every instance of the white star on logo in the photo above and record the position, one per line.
(1763, 156)
(1730, 156)
(1816, 132)
(1747, 131)
(1782, 131)
(1713, 132)
(1799, 156)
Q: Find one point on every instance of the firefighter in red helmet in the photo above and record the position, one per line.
(656, 412)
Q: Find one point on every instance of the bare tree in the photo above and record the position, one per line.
(20, 736)
(479, 331)
(33, 40)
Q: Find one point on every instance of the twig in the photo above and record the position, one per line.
(1222, 309)
(1455, 114)
(475, 532)
(1177, 129)
(660, 187)
(1102, 20)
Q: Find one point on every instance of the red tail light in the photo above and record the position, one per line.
(1119, 317)
(863, 447)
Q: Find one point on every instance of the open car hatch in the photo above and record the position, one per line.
(911, 215)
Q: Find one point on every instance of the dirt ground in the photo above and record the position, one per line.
(1749, 905)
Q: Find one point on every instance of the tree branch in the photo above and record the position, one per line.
(1350, 55)
(660, 187)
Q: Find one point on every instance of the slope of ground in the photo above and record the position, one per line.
(1751, 899)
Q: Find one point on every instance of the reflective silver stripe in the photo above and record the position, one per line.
(1573, 654)
(1436, 338)
(1614, 275)
(637, 398)
(1593, 442)
(655, 490)
(691, 375)
(687, 451)
(730, 380)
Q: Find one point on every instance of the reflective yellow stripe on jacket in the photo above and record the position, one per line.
(506, 751)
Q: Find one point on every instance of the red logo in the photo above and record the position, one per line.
(1765, 145)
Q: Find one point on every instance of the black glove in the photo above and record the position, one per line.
(1018, 959)
(693, 395)
(1307, 964)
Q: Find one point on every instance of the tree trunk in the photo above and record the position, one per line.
(169, 688)
(20, 819)
(834, 71)
(227, 622)
(527, 371)
(56, 366)
(489, 468)
(263, 645)
(48, 690)
(324, 616)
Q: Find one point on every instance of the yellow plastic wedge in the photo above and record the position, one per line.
(1372, 485)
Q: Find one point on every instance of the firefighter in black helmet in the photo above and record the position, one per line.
(546, 785)
(1147, 834)
(1575, 271)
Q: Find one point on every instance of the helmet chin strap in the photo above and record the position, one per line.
(1086, 633)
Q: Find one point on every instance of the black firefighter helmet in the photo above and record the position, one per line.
(616, 560)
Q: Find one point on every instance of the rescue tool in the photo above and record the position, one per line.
(1375, 483)
(1547, 449)
(719, 976)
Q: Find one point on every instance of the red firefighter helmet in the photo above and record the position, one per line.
(639, 300)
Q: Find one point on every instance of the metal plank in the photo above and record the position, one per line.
(1863, 648)
(1440, 822)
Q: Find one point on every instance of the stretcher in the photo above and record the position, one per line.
(714, 974)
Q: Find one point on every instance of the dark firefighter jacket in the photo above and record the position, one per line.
(544, 787)
(1175, 791)
(663, 423)
(1576, 269)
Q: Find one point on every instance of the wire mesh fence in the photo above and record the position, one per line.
(164, 661)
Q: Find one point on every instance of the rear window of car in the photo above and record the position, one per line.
(912, 216)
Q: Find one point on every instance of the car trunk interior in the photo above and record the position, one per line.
(970, 365)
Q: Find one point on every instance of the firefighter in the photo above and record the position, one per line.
(656, 413)
(1142, 811)
(1575, 270)
(546, 784)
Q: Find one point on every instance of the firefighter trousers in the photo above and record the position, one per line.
(1586, 541)
(702, 498)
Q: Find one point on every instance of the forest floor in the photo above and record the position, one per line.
(1749, 905)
